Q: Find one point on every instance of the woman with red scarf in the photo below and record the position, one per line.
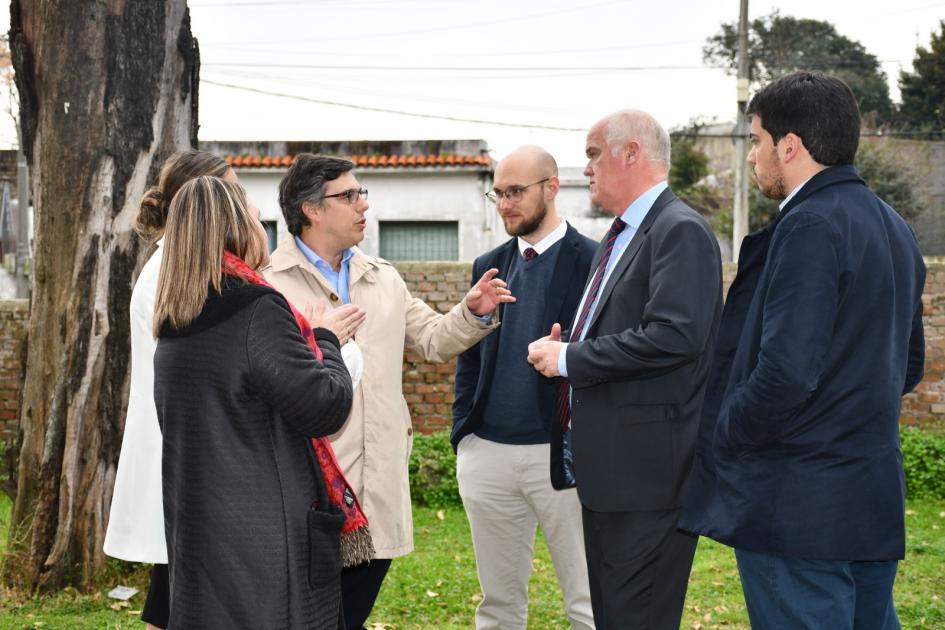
(255, 506)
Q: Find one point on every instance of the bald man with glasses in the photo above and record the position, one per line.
(324, 207)
(503, 412)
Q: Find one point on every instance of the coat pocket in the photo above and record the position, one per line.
(324, 545)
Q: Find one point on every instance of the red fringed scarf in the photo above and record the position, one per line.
(356, 545)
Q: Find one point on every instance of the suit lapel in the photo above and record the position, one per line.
(631, 251)
(565, 268)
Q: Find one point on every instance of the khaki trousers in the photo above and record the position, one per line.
(506, 491)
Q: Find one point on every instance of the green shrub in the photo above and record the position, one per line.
(433, 471)
(433, 467)
(923, 457)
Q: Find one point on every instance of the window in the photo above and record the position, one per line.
(271, 232)
(419, 240)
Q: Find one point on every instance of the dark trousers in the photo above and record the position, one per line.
(157, 606)
(638, 564)
(359, 588)
(813, 594)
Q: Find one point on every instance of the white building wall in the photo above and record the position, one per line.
(433, 195)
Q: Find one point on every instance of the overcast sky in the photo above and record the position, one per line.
(547, 63)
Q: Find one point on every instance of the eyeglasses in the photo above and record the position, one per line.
(350, 196)
(512, 193)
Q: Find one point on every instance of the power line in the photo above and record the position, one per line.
(315, 66)
(390, 111)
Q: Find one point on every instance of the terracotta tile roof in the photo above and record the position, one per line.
(367, 161)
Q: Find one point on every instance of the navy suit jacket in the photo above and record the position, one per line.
(475, 367)
(639, 375)
(798, 452)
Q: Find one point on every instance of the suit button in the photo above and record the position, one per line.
(409, 431)
(333, 297)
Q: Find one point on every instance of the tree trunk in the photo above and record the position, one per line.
(108, 89)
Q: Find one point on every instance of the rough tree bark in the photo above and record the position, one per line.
(108, 89)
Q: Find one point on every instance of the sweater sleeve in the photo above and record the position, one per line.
(314, 398)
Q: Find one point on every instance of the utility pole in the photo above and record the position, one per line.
(740, 212)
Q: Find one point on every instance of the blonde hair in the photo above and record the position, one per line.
(177, 170)
(207, 217)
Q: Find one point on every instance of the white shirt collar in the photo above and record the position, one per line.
(542, 246)
(793, 192)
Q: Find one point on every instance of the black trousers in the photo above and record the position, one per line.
(359, 588)
(157, 606)
(638, 564)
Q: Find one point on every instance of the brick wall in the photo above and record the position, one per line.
(13, 323)
(927, 403)
(428, 387)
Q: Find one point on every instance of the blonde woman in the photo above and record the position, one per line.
(136, 519)
(241, 382)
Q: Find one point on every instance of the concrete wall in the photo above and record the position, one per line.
(428, 387)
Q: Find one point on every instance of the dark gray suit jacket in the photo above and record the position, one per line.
(639, 375)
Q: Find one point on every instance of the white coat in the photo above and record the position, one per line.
(136, 520)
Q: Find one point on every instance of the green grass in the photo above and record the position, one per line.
(436, 586)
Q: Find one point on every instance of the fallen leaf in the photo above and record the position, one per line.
(476, 597)
(432, 594)
(696, 626)
(440, 514)
(910, 512)
(120, 605)
(707, 617)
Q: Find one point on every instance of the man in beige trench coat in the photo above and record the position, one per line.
(324, 205)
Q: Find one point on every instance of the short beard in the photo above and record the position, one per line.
(775, 190)
(531, 225)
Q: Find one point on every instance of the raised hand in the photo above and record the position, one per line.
(488, 293)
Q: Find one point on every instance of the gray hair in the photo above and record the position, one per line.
(633, 124)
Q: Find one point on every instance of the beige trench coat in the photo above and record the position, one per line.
(374, 445)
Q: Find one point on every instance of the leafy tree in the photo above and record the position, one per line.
(923, 89)
(778, 45)
(885, 176)
(689, 171)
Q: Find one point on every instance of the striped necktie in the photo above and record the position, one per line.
(563, 398)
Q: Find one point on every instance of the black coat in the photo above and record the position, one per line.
(475, 367)
(798, 451)
(639, 375)
(238, 392)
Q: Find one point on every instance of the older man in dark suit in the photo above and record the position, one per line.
(798, 465)
(503, 417)
(636, 359)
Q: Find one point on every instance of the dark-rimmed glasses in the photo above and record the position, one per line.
(350, 196)
(512, 193)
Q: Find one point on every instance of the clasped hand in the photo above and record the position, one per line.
(344, 320)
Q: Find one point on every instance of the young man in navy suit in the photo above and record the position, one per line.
(504, 410)
(798, 464)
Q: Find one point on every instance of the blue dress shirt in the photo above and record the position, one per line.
(633, 216)
(337, 279)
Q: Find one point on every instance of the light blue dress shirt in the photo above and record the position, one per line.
(337, 279)
(633, 216)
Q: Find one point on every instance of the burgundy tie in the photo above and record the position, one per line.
(529, 254)
(563, 399)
